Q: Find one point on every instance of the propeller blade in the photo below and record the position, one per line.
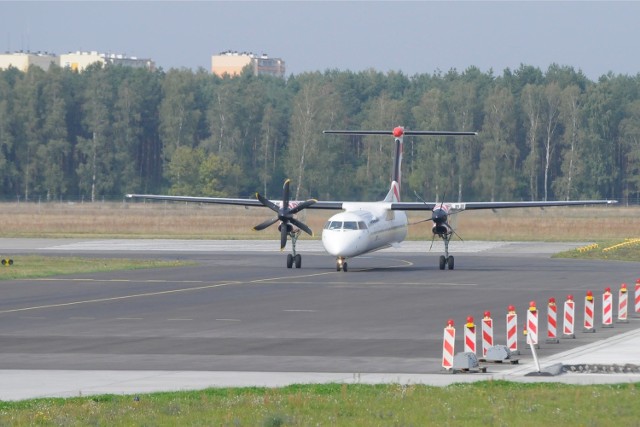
(301, 226)
(265, 224)
(268, 203)
(285, 194)
(432, 239)
(302, 206)
(283, 236)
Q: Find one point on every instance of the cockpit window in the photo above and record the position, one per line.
(350, 225)
(346, 225)
(333, 225)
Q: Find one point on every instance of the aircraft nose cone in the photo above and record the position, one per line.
(340, 243)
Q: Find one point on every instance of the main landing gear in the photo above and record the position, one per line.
(341, 264)
(446, 260)
(294, 259)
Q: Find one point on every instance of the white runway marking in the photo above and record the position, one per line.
(170, 245)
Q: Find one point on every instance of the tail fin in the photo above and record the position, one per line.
(394, 192)
(393, 195)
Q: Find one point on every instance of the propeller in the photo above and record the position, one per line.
(439, 217)
(284, 215)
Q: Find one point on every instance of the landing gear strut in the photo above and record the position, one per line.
(341, 264)
(294, 259)
(446, 260)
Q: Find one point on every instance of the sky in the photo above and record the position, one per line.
(412, 37)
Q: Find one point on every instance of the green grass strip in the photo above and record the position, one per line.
(37, 266)
(494, 403)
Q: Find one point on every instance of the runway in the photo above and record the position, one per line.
(239, 309)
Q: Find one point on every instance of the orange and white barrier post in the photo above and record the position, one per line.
(637, 298)
(512, 330)
(588, 312)
(532, 325)
(448, 345)
(470, 336)
(552, 322)
(487, 333)
(569, 318)
(607, 308)
(623, 304)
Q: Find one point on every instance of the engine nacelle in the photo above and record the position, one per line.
(290, 228)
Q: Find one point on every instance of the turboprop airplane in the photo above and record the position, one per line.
(365, 227)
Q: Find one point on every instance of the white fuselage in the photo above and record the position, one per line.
(362, 228)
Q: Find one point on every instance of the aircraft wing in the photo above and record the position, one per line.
(459, 207)
(229, 201)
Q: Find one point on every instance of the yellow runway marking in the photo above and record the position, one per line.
(97, 300)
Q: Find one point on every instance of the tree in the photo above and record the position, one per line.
(531, 100)
(499, 156)
(553, 102)
(570, 156)
(630, 135)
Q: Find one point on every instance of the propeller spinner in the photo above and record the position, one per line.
(285, 215)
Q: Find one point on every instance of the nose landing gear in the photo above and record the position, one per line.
(294, 258)
(341, 264)
(446, 260)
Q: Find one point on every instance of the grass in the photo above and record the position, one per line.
(194, 221)
(478, 404)
(613, 250)
(32, 266)
(494, 403)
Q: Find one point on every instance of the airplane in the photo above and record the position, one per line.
(364, 227)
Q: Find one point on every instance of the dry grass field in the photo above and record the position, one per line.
(195, 221)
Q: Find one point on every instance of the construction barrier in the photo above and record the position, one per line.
(532, 325)
(448, 345)
(588, 312)
(487, 333)
(637, 298)
(470, 336)
(512, 330)
(607, 308)
(623, 304)
(552, 322)
(569, 318)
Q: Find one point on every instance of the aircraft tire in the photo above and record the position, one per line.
(298, 260)
(289, 260)
(344, 267)
(443, 262)
(450, 263)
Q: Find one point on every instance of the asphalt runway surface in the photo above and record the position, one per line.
(240, 309)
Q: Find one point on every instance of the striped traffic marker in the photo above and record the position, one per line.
(470, 336)
(552, 322)
(487, 333)
(588, 312)
(607, 308)
(512, 330)
(623, 300)
(532, 325)
(448, 345)
(569, 318)
(637, 298)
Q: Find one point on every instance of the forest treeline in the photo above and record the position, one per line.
(108, 131)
